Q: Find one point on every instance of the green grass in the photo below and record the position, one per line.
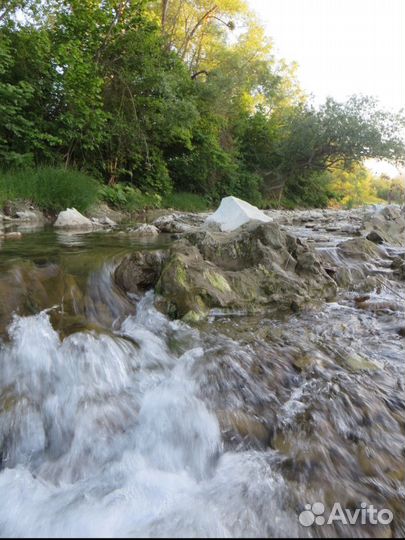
(185, 202)
(49, 188)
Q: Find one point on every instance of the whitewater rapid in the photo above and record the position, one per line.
(106, 437)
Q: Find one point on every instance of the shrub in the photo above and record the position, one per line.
(51, 189)
(126, 197)
(186, 202)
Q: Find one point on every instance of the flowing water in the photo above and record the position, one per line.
(117, 422)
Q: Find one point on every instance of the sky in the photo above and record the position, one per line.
(342, 47)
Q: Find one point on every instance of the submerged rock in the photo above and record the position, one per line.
(72, 219)
(233, 213)
(355, 362)
(398, 266)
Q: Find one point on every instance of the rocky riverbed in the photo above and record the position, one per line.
(189, 382)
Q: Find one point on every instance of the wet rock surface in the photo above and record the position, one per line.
(140, 272)
(302, 258)
(257, 267)
(238, 422)
(386, 225)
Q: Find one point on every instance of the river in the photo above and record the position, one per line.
(118, 422)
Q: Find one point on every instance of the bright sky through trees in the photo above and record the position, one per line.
(342, 47)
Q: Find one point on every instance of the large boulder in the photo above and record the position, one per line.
(257, 268)
(233, 213)
(72, 219)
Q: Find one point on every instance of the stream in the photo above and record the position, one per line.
(118, 422)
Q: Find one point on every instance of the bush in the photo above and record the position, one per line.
(186, 202)
(51, 189)
(128, 198)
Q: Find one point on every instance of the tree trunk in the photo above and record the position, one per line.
(165, 9)
(191, 34)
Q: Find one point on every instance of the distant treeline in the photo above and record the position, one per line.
(173, 96)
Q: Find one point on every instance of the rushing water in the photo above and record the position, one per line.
(116, 422)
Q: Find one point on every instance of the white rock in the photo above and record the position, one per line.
(146, 230)
(72, 219)
(233, 213)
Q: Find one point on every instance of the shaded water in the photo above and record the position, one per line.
(118, 422)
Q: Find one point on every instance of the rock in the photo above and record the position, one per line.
(233, 213)
(251, 269)
(355, 362)
(107, 222)
(360, 249)
(237, 426)
(140, 271)
(398, 266)
(173, 223)
(401, 331)
(376, 237)
(350, 230)
(13, 236)
(103, 211)
(191, 286)
(103, 222)
(385, 224)
(146, 230)
(363, 298)
(30, 216)
(301, 363)
(377, 306)
(72, 219)
(27, 289)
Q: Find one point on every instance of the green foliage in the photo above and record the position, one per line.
(186, 202)
(154, 95)
(353, 187)
(16, 131)
(51, 189)
(128, 198)
(390, 190)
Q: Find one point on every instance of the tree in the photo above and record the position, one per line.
(18, 133)
(335, 135)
